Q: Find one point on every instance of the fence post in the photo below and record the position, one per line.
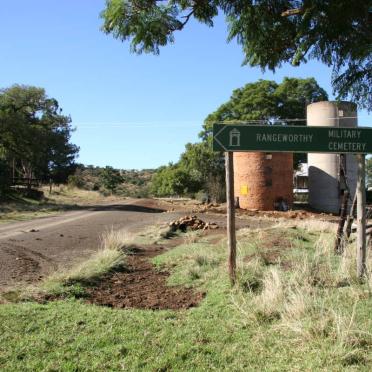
(361, 218)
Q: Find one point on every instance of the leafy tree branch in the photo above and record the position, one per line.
(270, 32)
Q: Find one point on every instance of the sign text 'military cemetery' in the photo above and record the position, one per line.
(275, 138)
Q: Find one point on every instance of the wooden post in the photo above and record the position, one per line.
(231, 237)
(350, 218)
(340, 231)
(361, 218)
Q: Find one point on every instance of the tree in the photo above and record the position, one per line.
(34, 135)
(266, 102)
(5, 173)
(271, 32)
(110, 178)
(170, 180)
(205, 169)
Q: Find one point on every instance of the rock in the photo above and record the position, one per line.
(191, 222)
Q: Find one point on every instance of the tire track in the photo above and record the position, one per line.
(28, 263)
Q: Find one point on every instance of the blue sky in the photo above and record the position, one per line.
(130, 111)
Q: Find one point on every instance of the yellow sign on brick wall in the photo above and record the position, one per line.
(244, 190)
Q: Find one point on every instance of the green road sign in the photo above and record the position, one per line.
(275, 138)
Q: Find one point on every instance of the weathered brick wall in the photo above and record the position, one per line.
(260, 181)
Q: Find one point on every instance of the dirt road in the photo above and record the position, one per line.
(31, 250)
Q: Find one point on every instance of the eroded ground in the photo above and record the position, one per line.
(30, 251)
(141, 285)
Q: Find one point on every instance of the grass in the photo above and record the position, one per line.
(156, 234)
(72, 283)
(311, 315)
(20, 208)
(72, 195)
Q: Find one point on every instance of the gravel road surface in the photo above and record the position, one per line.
(31, 250)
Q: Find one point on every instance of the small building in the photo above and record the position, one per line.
(263, 181)
(301, 179)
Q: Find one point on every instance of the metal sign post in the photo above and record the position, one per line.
(231, 231)
(276, 138)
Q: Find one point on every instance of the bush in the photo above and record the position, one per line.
(33, 194)
(75, 181)
(216, 188)
(5, 175)
(369, 196)
(202, 196)
(110, 178)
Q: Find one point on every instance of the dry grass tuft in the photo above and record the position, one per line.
(192, 237)
(300, 301)
(116, 239)
(310, 225)
(100, 263)
(110, 257)
(269, 302)
(154, 234)
(66, 195)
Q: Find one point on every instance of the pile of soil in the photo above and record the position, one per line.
(140, 285)
(191, 222)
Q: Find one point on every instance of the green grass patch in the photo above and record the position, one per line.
(275, 319)
(73, 282)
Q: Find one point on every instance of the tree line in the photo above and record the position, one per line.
(109, 180)
(34, 138)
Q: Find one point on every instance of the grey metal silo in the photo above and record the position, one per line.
(325, 185)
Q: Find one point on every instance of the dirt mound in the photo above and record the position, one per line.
(191, 222)
(142, 286)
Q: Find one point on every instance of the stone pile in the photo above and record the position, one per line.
(193, 223)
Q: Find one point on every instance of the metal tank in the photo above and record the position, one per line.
(263, 181)
(325, 186)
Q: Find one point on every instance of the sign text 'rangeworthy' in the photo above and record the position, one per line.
(275, 138)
